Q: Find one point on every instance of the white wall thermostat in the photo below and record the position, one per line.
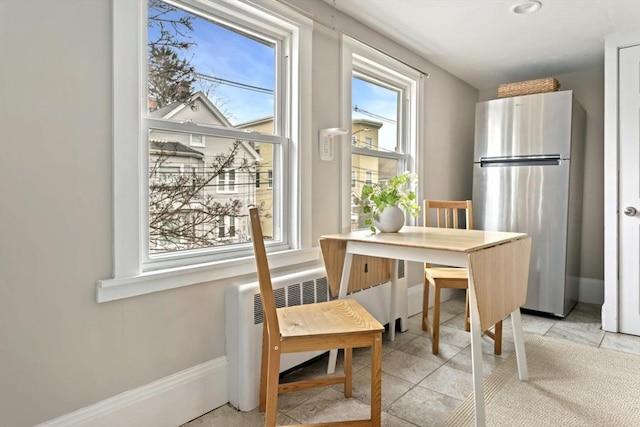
(325, 141)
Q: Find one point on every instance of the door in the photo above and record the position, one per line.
(629, 188)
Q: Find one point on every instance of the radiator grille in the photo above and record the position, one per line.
(294, 295)
(258, 313)
(307, 292)
(280, 297)
(322, 289)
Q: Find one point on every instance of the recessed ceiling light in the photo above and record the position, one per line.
(526, 7)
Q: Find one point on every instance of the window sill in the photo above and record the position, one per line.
(162, 280)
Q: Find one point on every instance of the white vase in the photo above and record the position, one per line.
(389, 220)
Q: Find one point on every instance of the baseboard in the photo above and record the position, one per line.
(591, 290)
(170, 401)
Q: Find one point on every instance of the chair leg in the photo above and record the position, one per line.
(272, 379)
(376, 381)
(348, 371)
(263, 369)
(497, 338)
(425, 305)
(435, 325)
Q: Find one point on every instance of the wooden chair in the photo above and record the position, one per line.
(322, 326)
(447, 215)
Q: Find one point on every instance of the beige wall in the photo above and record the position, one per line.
(588, 87)
(60, 350)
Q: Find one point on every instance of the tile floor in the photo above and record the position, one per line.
(419, 388)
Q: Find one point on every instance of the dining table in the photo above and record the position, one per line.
(498, 266)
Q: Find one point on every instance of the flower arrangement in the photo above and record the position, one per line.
(397, 191)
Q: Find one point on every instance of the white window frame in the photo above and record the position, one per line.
(132, 274)
(359, 58)
(368, 178)
(197, 143)
(226, 185)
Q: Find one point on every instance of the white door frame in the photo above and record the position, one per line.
(610, 308)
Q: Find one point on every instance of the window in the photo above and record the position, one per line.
(189, 111)
(227, 227)
(196, 140)
(353, 178)
(227, 181)
(270, 178)
(381, 97)
(368, 180)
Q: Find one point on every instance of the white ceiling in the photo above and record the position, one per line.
(485, 44)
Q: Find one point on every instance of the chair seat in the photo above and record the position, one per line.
(344, 316)
(448, 273)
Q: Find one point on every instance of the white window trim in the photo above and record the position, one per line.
(224, 185)
(194, 143)
(129, 279)
(368, 177)
(372, 60)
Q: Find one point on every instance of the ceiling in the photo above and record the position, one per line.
(485, 44)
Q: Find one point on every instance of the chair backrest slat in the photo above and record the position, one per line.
(447, 214)
(264, 275)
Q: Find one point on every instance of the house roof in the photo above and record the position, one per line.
(368, 123)
(175, 148)
(168, 111)
(255, 122)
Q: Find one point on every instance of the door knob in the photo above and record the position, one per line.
(630, 211)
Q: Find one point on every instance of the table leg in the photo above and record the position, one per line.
(401, 296)
(518, 339)
(342, 293)
(393, 306)
(476, 354)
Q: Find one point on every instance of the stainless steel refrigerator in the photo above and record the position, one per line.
(527, 177)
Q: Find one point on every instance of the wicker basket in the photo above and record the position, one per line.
(528, 87)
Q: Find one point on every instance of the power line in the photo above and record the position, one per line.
(234, 83)
(375, 116)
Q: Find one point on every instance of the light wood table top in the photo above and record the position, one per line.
(446, 239)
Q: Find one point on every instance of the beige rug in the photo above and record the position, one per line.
(569, 384)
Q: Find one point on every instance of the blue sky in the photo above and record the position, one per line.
(381, 102)
(228, 55)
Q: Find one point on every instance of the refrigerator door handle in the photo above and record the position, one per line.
(537, 160)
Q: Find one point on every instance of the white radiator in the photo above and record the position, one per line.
(244, 320)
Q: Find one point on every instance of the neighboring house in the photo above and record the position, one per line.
(364, 169)
(264, 173)
(185, 160)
